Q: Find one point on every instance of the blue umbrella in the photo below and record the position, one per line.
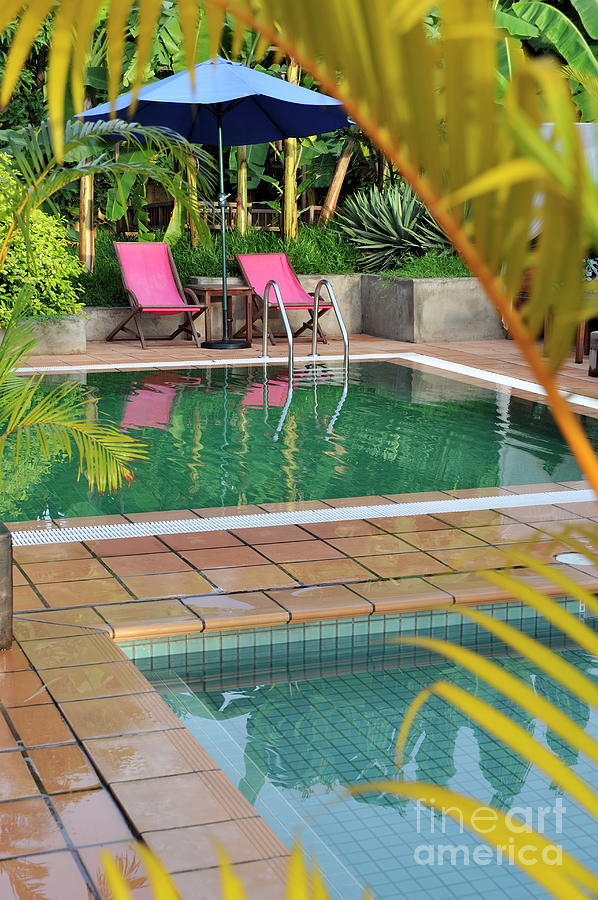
(229, 104)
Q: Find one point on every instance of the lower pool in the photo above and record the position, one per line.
(294, 714)
(230, 436)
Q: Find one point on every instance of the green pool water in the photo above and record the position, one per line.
(218, 437)
(294, 714)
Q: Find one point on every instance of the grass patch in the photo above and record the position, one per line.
(433, 264)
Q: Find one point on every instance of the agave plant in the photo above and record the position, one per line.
(386, 225)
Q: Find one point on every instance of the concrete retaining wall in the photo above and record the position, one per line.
(347, 289)
(427, 309)
(401, 309)
(58, 337)
(100, 321)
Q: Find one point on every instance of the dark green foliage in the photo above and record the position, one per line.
(316, 250)
(28, 103)
(104, 286)
(433, 264)
(386, 226)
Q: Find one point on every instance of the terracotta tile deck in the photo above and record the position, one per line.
(70, 768)
(91, 756)
(221, 579)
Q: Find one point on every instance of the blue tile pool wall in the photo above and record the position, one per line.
(312, 650)
(292, 739)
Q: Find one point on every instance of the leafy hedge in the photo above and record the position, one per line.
(50, 269)
(316, 250)
(433, 264)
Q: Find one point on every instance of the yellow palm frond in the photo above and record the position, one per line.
(567, 881)
(571, 879)
(301, 882)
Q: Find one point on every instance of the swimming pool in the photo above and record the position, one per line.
(293, 714)
(227, 436)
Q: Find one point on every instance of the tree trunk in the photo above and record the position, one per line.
(192, 179)
(337, 182)
(289, 199)
(241, 221)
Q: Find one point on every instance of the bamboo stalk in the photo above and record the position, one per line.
(289, 202)
(241, 220)
(87, 244)
(86, 223)
(192, 178)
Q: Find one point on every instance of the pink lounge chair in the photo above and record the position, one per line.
(260, 268)
(153, 286)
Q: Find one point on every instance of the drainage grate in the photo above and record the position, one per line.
(299, 517)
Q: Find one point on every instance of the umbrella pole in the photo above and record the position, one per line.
(227, 343)
(222, 198)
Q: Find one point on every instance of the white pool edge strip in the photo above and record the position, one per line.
(494, 378)
(57, 535)
(201, 363)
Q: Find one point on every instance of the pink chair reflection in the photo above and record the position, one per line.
(150, 405)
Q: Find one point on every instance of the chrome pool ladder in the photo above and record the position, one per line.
(323, 283)
(273, 286)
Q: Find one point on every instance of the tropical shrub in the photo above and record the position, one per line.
(385, 226)
(33, 175)
(316, 250)
(43, 262)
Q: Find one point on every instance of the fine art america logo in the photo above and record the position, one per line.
(502, 845)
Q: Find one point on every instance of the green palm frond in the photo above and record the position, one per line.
(89, 150)
(18, 340)
(57, 418)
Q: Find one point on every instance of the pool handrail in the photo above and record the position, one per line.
(273, 286)
(324, 283)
